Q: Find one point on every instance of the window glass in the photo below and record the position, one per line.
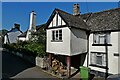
(57, 35)
(99, 38)
(60, 34)
(53, 35)
(98, 58)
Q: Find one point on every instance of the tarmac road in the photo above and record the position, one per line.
(16, 67)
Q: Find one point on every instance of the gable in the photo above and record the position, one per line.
(56, 21)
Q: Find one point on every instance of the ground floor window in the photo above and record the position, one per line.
(98, 58)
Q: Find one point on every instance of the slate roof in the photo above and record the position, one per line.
(70, 20)
(108, 20)
(12, 35)
(23, 34)
(42, 26)
(14, 30)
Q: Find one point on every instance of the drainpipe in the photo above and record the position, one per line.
(88, 34)
(106, 50)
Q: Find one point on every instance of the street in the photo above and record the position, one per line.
(16, 67)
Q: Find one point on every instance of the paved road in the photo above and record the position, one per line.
(15, 67)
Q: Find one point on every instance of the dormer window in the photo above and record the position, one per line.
(101, 38)
(57, 35)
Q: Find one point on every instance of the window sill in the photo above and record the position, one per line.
(101, 44)
(56, 40)
(100, 66)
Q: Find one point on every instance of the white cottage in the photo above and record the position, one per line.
(104, 40)
(66, 34)
(97, 34)
(11, 36)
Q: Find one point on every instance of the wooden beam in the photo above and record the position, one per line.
(68, 61)
(50, 59)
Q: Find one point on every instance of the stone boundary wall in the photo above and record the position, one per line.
(38, 61)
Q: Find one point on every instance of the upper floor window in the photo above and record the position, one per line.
(57, 35)
(101, 38)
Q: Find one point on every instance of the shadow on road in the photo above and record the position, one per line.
(12, 65)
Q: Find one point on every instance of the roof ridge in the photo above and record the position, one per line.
(56, 9)
(107, 10)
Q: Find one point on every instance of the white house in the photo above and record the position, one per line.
(104, 40)
(32, 28)
(92, 36)
(66, 35)
(11, 36)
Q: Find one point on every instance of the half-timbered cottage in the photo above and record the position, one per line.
(90, 39)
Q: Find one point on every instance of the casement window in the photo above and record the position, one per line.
(98, 58)
(101, 38)
(57, 35)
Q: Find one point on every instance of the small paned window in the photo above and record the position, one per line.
(57, 35)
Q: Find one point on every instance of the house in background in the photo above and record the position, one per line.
(11, 36)
(86, 39)
(26, 36)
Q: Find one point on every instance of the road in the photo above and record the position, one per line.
(16, 67)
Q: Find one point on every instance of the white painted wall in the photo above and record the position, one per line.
(62, 48)
(78, 41)
(54, 20)
(22, 38)
(119, 52)
(5, 39)
(112, 60)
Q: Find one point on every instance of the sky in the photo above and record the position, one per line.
(19, 12)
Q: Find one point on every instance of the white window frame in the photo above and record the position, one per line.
(56, 35)
(97, 37)
(93, 58)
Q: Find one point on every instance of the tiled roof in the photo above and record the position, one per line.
(40, 26)
(23, 34)
(108, 20)
(70, 20)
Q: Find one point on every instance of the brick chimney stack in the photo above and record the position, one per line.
(17, 26)
(76, 9)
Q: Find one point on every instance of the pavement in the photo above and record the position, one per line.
(34, 72)
(14, 67)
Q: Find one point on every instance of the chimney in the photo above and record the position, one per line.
(76, 9)
(32, 26)
(17, 26)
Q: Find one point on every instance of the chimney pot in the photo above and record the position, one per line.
(76, 9)
(17, 26)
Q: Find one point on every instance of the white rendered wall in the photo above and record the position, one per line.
(78, 41)
(62, 48)
(112, 60)
(21, 38)
(119, 52)
(5, 39)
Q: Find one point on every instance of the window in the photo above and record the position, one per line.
(57, 35)
(98, 58)
(101, 38)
